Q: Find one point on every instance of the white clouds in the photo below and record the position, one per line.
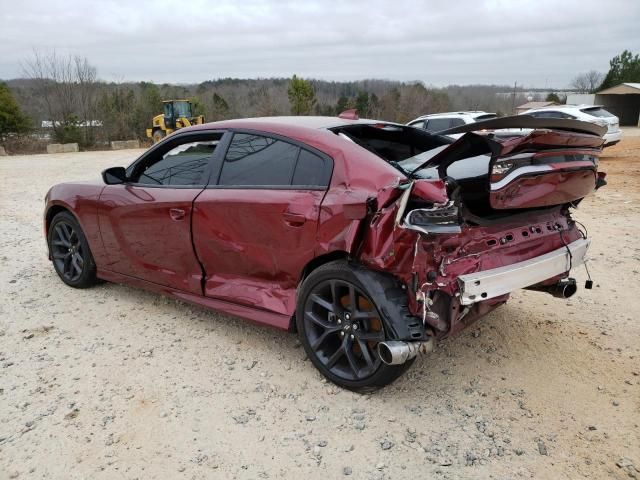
(439, 42)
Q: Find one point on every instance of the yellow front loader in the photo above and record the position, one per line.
(177, 114)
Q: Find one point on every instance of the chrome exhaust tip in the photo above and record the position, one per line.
(563, 289)
(395, 352)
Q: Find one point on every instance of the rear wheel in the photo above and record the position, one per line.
(70, 253)
(340, 328)
(158, 135)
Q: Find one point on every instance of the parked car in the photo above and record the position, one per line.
(370, 239)
(437, 122)
(586, 113)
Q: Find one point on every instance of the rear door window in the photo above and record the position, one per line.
(257, 160)
(552, 114)
(311, 170)
(438, 124)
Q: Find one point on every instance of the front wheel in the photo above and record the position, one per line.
(158, 135)
(340, 328)
(70, 252)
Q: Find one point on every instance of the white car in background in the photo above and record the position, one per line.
(586, 113)
(438, 122)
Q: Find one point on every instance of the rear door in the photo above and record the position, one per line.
(145, 223)
(255, 226)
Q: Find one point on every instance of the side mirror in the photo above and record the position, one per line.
(114, 175)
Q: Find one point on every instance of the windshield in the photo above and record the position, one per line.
(597, 112)
(182, 109)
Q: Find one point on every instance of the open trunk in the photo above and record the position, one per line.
(489, 178)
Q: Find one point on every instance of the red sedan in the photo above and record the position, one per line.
(370, 239)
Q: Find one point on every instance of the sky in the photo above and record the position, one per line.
(536, 43)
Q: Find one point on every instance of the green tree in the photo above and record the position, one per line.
(342, 105)
(553, 97)
(12, 120)
(148, 105)
(120, 120)
(220, 110)
(301, 96)
(622, 68)
(362, 104)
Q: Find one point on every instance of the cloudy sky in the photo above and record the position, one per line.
(535, 43)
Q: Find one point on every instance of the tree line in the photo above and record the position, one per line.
(66, 93)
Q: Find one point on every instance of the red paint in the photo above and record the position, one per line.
(144, 237)
(243, 251)
(254, 243)
(543, 190)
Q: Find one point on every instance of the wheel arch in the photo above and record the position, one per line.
(312, 265)
(52, 211)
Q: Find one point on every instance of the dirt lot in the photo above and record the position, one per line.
(114, 382)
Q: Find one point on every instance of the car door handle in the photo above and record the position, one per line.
(294, 219)
(177, 213)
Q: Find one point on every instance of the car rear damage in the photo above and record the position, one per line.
(459, 247)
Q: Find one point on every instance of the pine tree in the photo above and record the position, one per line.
(12, 120)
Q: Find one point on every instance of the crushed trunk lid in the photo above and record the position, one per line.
(554, 164)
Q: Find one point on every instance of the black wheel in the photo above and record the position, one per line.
(158, 135)
(70, 252)
(340, 328)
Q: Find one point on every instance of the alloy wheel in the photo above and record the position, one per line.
(67, 251)
(343, 328)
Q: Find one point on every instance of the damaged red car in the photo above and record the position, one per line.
(370, 239)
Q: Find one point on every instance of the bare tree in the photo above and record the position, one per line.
(587, 82)
(67, 85)
(85, 76)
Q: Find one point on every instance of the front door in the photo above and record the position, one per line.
(255, 228)
(145, 223)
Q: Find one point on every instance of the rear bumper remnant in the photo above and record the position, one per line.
(486, 284)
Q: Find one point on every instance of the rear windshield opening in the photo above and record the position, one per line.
(393, 143)
(597, 112)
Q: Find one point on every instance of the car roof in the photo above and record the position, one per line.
(314, 122)
(564, 107)
(471, 113)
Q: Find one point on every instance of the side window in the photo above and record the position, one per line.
(258, 161)
(183, 164)
(456, 122)
(311, 170)
(419, 124)
(438, 124)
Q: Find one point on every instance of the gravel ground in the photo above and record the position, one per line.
(114, 382)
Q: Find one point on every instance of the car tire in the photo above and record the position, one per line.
(341, 341)
(70, 253)
(158, 135)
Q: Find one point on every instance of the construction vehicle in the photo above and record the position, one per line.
(177, 114)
